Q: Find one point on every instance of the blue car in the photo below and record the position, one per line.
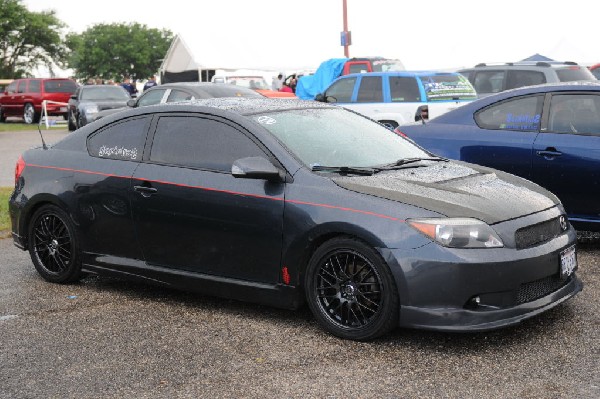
(549, 134)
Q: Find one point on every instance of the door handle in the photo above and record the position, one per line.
(549, 153)
(145, 191)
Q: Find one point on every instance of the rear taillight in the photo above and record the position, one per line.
(19, 168)
(399, 133)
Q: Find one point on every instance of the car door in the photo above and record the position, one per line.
(9, 102)
(192, 214)
(567, 153)
(503, 136)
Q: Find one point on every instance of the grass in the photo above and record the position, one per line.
(4, 219)
(17, 127)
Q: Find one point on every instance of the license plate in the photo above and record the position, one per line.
(63, 109)
(568, 262)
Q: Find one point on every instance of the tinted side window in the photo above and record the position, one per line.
(488, 81)
(575, 113)
(122, 140)
(516, 79)
(404, 89)
(342, 90)
(12, 88)
(200, 142)
(151, 98)
(370, 90)
(22, 86)
(60, 86)
(34, 86)
(523, 114)
(178, 95)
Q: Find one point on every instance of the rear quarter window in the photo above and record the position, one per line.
(523, 113)
(574, 73)
(122, 140)
(60, 86)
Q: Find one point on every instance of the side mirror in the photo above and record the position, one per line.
(73, 97)
(422, 114)
(131, 103)
(255, 168)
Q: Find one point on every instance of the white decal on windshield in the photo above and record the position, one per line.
(266, 120)
(116, 151)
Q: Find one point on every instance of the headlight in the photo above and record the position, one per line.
(90, 109)
(458, 232)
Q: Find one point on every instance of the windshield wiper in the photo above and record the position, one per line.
(406, 161)
(344, 170)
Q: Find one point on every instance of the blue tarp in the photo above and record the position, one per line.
(310, 85)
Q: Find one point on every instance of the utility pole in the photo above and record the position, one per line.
(346, 37)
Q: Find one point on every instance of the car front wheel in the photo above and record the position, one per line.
(351, 290)
(54, 246)
(70, 122)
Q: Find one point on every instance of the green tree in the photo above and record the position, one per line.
(113, 51)
(28, 40)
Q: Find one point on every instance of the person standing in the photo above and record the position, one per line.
(150, 83)
(277, 82)
(129, 87)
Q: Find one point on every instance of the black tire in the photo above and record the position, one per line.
(351, 291)
(54, 246)
(70, 122)
(389, 124)
(2, 116)
(29, 114)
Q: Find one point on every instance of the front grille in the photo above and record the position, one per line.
(536, 289)
(536, 234)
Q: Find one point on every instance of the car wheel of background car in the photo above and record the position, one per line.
(29, 114)
(389, 124)
(80, 122)
(53, 245)
(351, 291)
(2, 116)
(70, 122)
(65, 116)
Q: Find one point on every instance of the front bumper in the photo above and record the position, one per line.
(451, 289)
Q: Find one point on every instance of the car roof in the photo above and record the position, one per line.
(524, 65)
(401, 73)
(209, 89)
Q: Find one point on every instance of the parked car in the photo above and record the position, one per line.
(174, 92)
(88, 100)
(254, 82)
(397, 98)
(549, 134)
(282, 201)
(24, 97)
(493, 78)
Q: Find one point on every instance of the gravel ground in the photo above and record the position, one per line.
(107, 338)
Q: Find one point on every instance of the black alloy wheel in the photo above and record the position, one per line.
(53, 245)
(351, 291)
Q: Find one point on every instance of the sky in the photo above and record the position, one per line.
(297, 35)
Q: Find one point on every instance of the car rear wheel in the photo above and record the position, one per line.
(53, 245)
(29, 114)
(351, 291)
(2, 116)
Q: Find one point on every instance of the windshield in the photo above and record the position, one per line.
(444, 87)
(104, 93)
(337, 137)
(251, 82)
(387, 65)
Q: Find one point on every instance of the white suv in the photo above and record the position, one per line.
(399, 98)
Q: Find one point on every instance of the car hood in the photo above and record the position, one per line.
(456, 189)
(107, 104)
